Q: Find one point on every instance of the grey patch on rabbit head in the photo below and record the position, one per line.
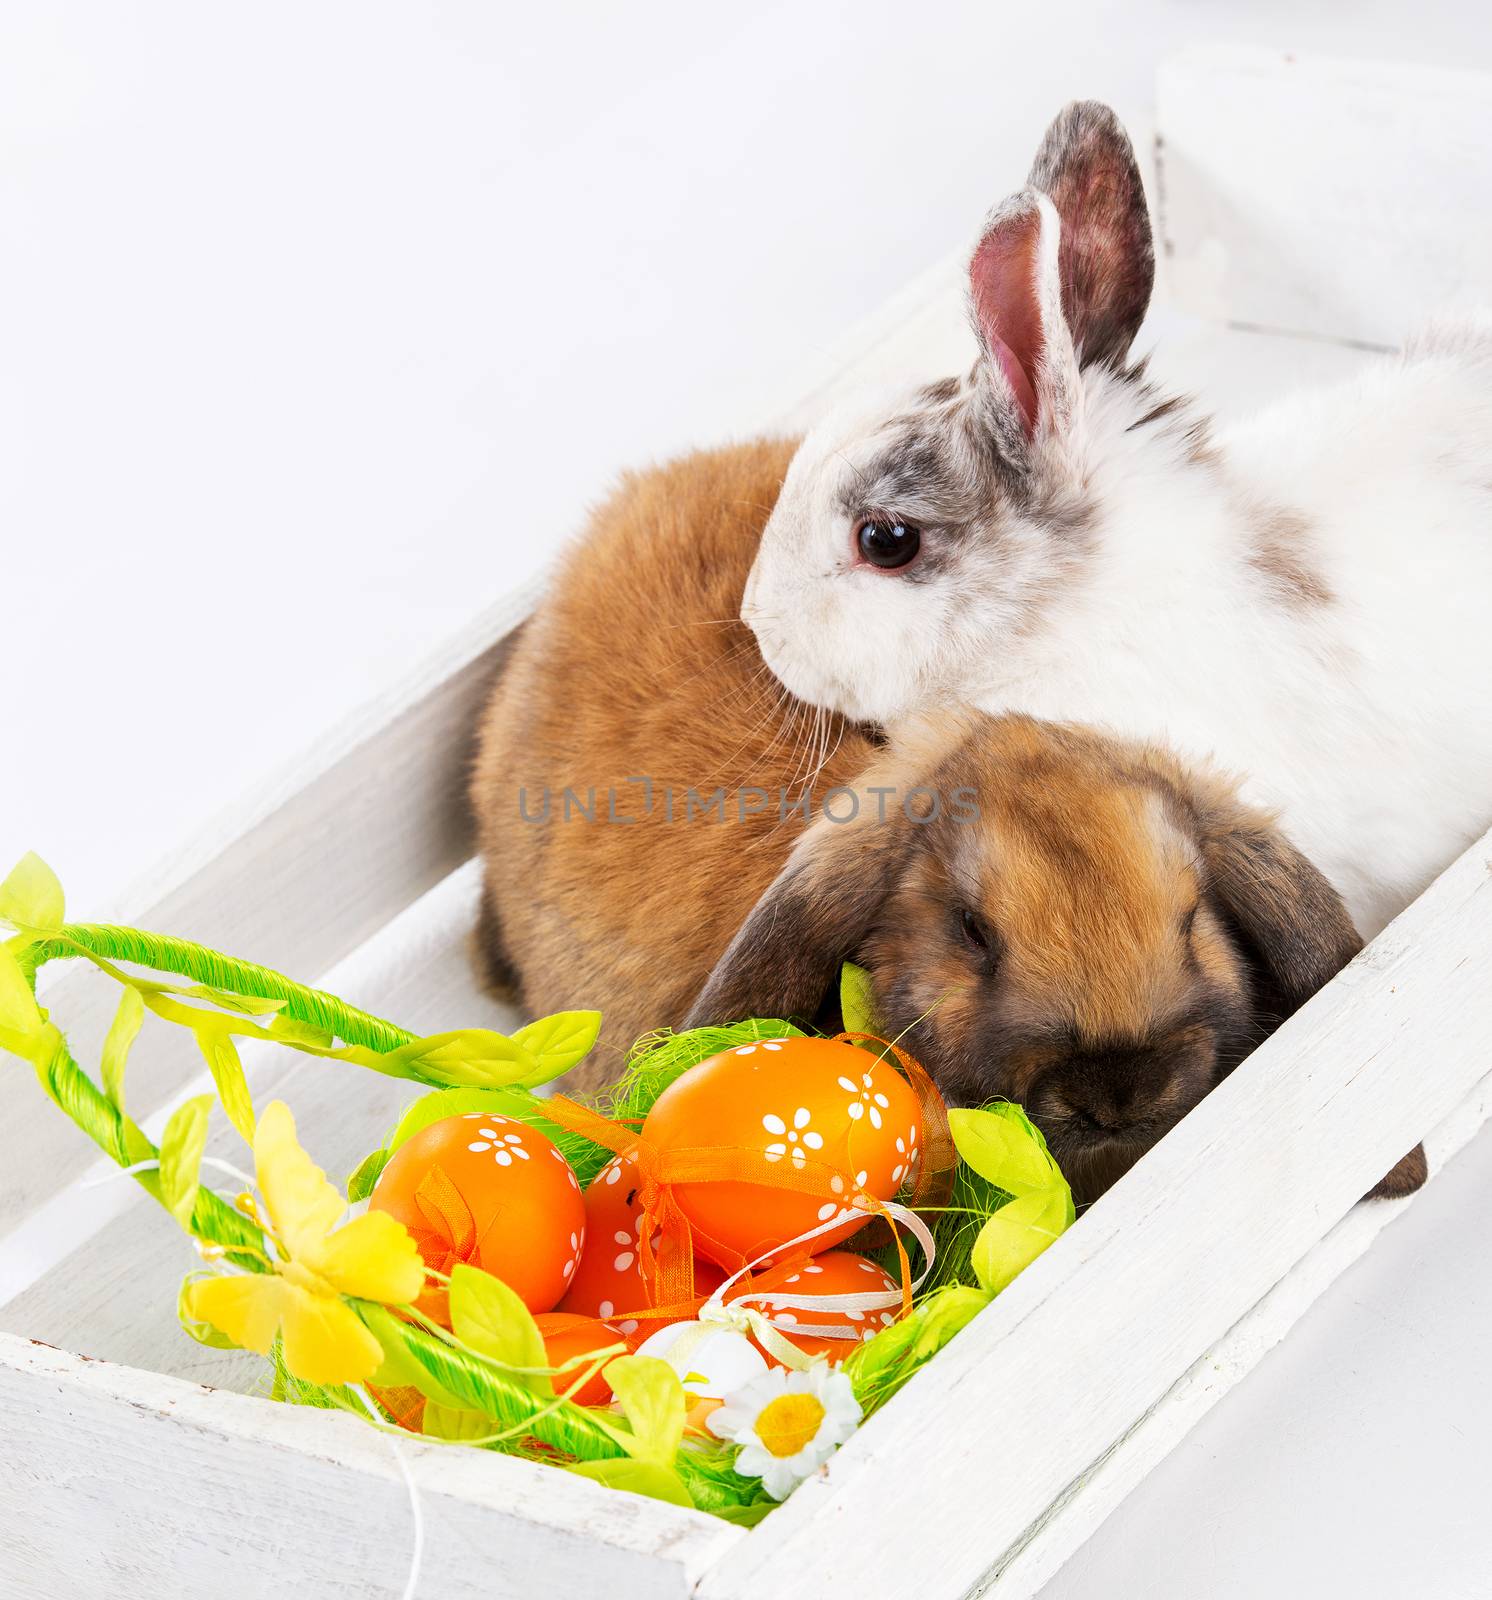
(1281, 556)
(937, 466)
(944, 390)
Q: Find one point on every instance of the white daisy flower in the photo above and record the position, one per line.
(787, 1424)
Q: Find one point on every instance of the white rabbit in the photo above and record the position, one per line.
(1305, 598)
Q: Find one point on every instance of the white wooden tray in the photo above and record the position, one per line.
(137, 1467)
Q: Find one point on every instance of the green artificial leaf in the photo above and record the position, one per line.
(1017, 1233)
(360, 1185)
(557, 1042)
(241, 1004)
(651, 1396)
(1003, 1147)
(181, 1150)
(19, 1013)
(489, 1317)
(442, 1103)
(744, 1516)
(202, 1332)
(880, 1366)
(458, 1423)
(121, 1036)
(857, 1000)
(31, 896)
(228, 1077)
(400, 1370)
(1016, 1116)
(639, 1477)
(295, 1033)
(476, 1057)
(942, 1315)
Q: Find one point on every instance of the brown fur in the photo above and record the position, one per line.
(638, 665)
(1281, 556)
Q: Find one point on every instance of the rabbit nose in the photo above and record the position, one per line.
(1109, 1090)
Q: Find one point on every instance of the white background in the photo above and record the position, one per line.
(321, 324)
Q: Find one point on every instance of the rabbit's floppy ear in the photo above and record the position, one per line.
(1061, 277)
(817, 910)
(1292, 920)
(1296, 926)
(811, 919)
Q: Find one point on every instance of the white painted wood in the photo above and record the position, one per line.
(121, 1483)
(1040, 1389)
(1309, 195)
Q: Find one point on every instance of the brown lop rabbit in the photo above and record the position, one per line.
(1048, 914)
(1077, 923)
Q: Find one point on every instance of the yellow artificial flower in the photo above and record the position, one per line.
(370, 1258)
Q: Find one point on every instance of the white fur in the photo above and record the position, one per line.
(1365, 721)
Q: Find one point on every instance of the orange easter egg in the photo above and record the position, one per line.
(816, 1105)
(565, 1338)
(834, 1272)
(609, 1278)
(492, 1191)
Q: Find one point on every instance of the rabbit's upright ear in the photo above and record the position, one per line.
(811, 919)
(1294, 923)
(1061, 278)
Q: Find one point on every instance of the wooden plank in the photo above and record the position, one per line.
(1307, 195)
(1048, 1381)
(177, 1491)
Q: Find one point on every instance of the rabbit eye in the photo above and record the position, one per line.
(887, 544)
(974, 930)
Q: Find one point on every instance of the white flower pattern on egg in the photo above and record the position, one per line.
(794, 1142)
(868, 1101)
(504, 1146)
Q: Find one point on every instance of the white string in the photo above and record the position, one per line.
(892, 1208)
(417, 1555)
(748, 1319)
(151, 1165)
